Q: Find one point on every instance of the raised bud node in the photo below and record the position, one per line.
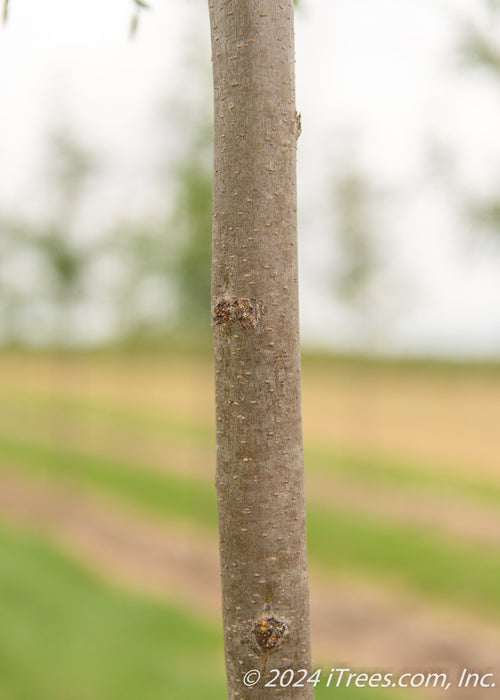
(269, 633)
(246, 312)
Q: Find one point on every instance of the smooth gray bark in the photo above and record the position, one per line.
(260, 471)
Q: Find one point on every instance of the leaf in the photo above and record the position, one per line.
(134, 23)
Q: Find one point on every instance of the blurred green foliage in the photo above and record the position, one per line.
(478, 48)
(352, 203)
(191, 225)
(164, 261)
(63, 261)
(479, 39)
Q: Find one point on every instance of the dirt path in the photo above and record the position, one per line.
(453, 516)
(366, 627)
(450, 515)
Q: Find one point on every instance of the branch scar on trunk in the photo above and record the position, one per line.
(269, 633)
(247, 312)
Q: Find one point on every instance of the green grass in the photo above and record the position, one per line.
(465, 575)
(402, 474)
(33, 406)
(66, 636)
(353, 693)
(166, 494)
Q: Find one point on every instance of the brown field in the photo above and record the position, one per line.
(447, 418)
(158, 413)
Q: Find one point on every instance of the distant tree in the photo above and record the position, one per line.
(353, 200)
(170, 250)
(478, 48)
(479, 38)
(61, 258)
(190, 226)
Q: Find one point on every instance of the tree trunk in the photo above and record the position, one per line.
(260, 471)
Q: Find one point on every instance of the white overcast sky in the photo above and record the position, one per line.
(380, 71)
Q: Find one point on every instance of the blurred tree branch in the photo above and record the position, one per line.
(479, 47)
(134, 22)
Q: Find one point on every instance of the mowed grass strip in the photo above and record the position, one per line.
(398, 474)
(402, 474)
(66, 635)
(51, 408)
(166, 494)
(463, 575)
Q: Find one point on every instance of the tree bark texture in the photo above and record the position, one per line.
(260, 470)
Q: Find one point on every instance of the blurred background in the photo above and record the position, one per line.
(109, 586)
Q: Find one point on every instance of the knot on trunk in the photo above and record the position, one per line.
(269, 633)
(247, 312)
